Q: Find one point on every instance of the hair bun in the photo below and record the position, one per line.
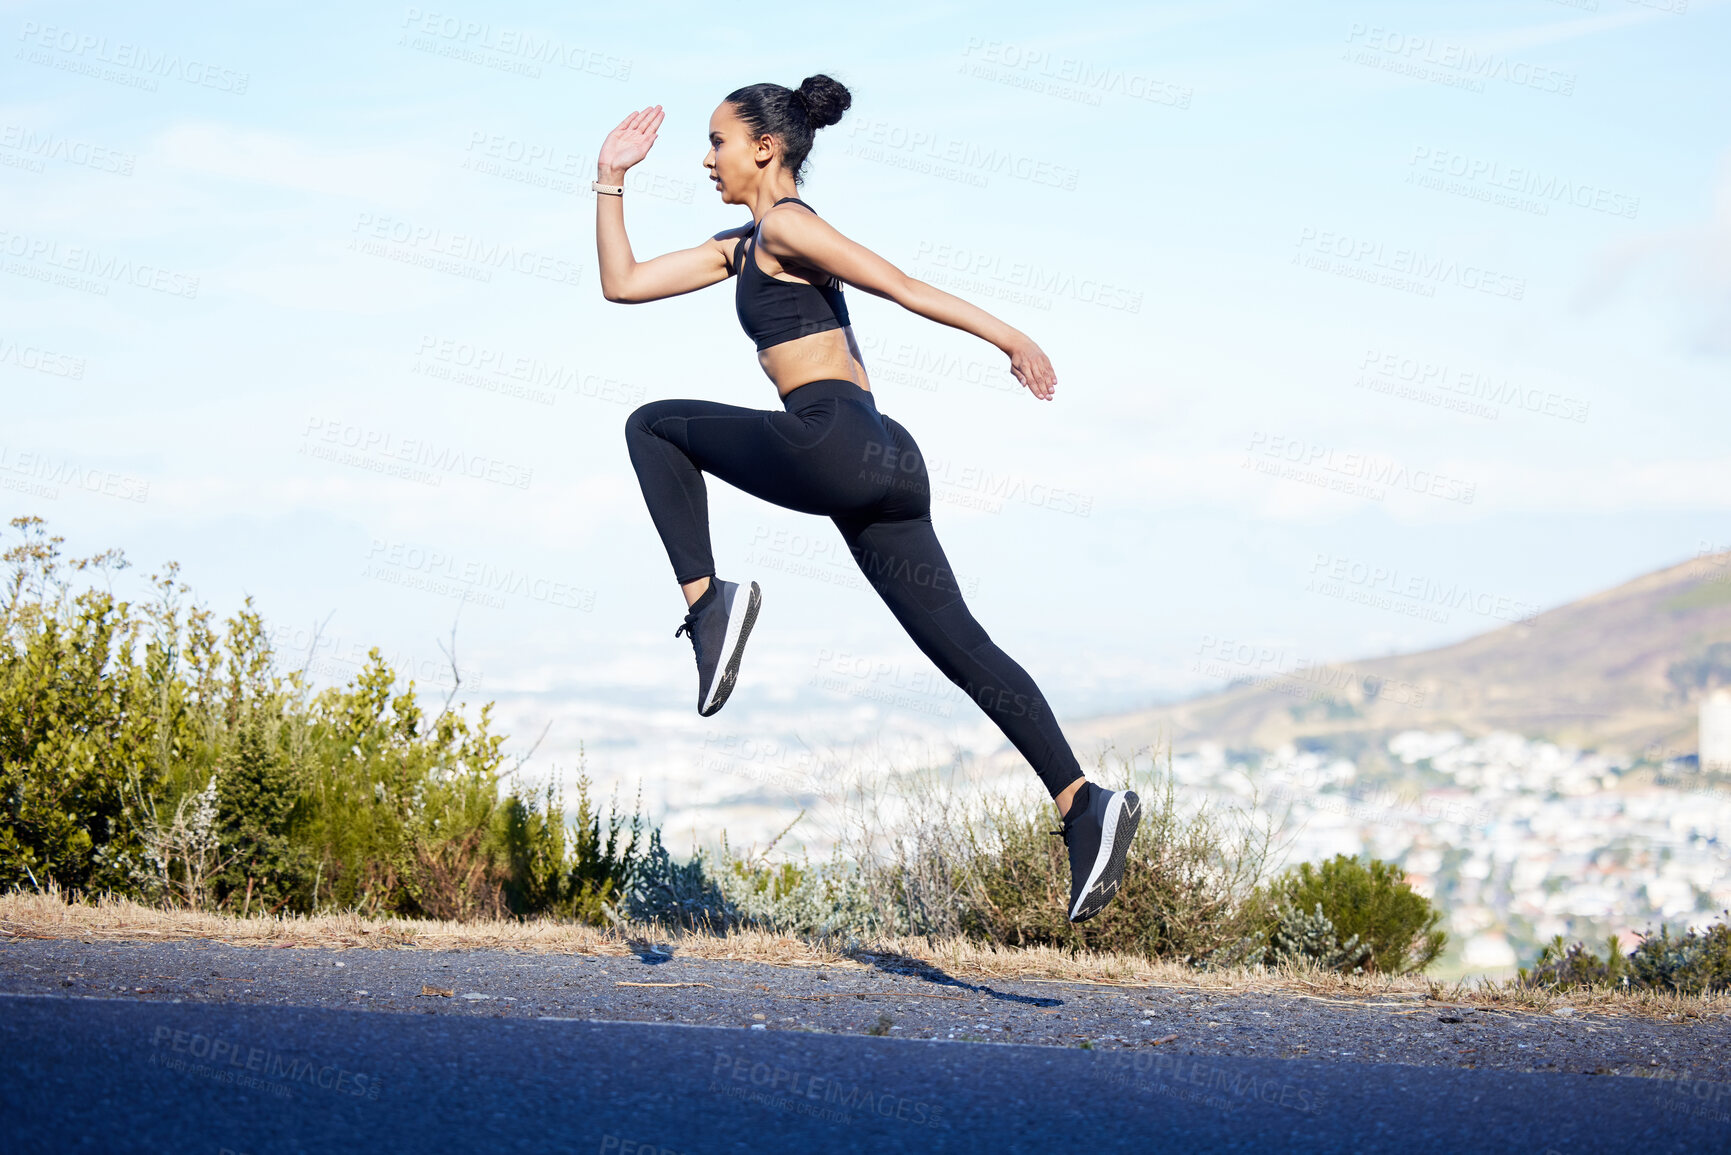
(824, 99)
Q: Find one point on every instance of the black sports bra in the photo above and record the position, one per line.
(772, 310)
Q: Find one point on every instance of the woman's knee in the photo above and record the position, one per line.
(642, 421)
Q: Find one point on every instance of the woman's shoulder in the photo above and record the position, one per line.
(730, 241)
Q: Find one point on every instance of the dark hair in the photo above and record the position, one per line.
(791, 114)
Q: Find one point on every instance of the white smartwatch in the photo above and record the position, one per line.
(617, 190)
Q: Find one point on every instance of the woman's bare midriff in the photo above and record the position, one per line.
(830, 354)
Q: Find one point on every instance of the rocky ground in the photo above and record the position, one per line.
(878, 995)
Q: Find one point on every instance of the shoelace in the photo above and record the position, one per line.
(1067, 824)
(686, 628)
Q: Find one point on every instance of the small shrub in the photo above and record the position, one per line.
(152, 752)
(1370, 903)
(1695, 963)
(1189, 885)
(991, 871)
(1565, 967)
(1311, 938)
(565, 872)
(678, 894)
(823, 899)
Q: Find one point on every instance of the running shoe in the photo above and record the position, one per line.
(718, 624)
(1097, 831)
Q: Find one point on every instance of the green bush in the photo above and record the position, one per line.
(1565, 967)
(78, 720)
(153, 751)
(1694, 963)
(1311, 938)
(1369, 902)
(679, 894)
(150, 751)
(748, 890)
(993, 872)
(1189, 879)
(566, 872)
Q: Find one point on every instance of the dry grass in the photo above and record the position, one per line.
(51, 916)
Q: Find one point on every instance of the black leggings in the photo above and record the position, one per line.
(832, 453)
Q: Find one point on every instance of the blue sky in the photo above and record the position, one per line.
(1345, 300)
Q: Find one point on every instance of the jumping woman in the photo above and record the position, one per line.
(829, 451)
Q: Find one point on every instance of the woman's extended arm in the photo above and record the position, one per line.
(811, 240)
(623, 277)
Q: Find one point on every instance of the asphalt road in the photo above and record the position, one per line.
(889, 994)
(87, 1073)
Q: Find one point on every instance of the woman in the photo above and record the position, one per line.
(830, 451)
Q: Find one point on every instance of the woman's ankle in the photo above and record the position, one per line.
(694, 590)
(1067, 797)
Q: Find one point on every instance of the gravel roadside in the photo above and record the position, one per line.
(878, 995)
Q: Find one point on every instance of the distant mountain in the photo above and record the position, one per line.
(1620, 670)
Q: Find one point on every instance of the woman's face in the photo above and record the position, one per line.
(733, 155)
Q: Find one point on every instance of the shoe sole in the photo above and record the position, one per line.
(1123, 814)
(733, 644)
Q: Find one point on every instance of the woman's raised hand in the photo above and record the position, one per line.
(629, 143)
(1032, 367)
